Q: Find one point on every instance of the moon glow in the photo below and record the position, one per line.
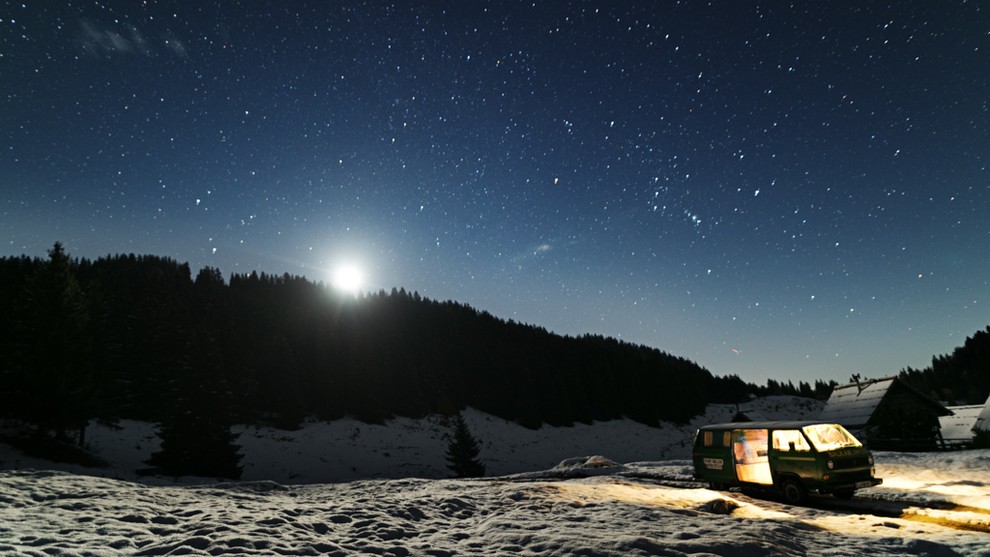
(348, 278)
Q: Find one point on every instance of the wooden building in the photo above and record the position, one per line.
(886, 413)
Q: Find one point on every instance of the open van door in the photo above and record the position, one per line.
(750, 450)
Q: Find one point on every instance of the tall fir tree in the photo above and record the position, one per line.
(463, 450)
(196, 435)
(57, 387)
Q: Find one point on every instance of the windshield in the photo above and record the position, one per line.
(828, 437)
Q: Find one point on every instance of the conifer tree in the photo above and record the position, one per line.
(57, 388)
(462, 452)
(196, 435)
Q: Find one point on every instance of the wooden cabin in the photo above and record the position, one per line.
(887, 414)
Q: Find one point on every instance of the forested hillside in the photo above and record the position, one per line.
(138, 337)
(962, 377)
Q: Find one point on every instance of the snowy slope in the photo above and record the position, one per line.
(347, 449)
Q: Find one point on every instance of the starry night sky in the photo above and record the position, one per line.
(775, 191)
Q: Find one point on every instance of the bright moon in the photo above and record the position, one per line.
(348, 278)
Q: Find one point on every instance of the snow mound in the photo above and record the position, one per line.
(720, 506)
(588, 465)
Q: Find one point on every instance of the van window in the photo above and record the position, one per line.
(783, 438)
(727, 439)
(750, 446)
(827, 437)
(709, 438)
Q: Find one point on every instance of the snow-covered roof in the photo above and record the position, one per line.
(853, 405)
(959, 425)
(983, 420)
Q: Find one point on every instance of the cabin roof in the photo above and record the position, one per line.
(960, 424)
(854, 404)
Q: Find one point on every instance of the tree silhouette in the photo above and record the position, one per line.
(57, 388)
(287, 349)
(196, 435)
(462, 451)
(962, 377)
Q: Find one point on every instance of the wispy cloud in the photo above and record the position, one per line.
(173, 43)
(98, 40)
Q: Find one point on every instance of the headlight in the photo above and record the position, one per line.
(831, 465)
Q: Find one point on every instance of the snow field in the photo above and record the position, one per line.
(59, 514)
(543, 503)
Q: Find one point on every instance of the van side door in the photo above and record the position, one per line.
(713, 457)
(791, 454)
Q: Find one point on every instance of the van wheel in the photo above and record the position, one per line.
(794, 492)
(844, 493)
(716, 486)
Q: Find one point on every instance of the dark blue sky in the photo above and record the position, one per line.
(772, 190)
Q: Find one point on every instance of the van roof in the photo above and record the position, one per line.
(792, 424)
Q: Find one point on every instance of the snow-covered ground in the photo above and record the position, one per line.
(543, 502)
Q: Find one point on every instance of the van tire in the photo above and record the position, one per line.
(716, 486)
(794, 493)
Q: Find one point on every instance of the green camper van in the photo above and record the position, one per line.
(790, 457)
